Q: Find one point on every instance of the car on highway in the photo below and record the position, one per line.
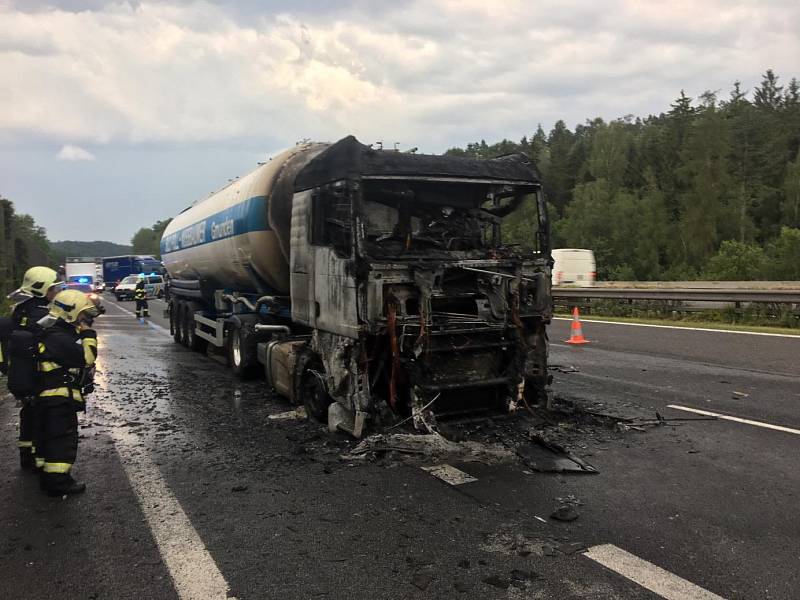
(153, 285)
(82, 283)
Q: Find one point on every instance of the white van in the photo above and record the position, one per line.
(574, 267)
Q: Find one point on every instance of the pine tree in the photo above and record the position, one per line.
(768, 94)
(560, 177)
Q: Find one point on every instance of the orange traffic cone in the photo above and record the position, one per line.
(576, 331)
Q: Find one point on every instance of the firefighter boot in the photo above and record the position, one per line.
(61, 484)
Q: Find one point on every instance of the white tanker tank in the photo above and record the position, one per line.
(238, 237)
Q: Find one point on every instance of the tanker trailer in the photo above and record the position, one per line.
(372, 285)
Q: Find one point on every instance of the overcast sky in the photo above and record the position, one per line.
(116, 114)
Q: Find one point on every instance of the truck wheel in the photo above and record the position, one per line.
(314, 393)
(175, 321)
(193, 341)
(239, 353)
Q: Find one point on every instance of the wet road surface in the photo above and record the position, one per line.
(195, 492)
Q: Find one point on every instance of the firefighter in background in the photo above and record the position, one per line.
(140, 295)
(66, 354)
(39, 286)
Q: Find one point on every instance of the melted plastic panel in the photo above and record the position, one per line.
(350, 159)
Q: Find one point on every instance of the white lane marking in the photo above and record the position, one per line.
(708, 413)
(589, 320)
(194, 573)
(193, 570)
(648, 575)
(298, 413)
(155, 326)
(450, 474)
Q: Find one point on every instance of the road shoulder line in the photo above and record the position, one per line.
(590, 320)
(708, 413)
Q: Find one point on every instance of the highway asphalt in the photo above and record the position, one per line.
(195, 492)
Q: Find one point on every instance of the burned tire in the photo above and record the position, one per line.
(185, 324)
(313, 392)
(175, 312)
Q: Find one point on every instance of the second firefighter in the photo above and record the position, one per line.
(66, 355)
(140, 296)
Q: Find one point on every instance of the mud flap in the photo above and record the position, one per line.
(342, 419)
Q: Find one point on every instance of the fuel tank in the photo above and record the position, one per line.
(238, 237)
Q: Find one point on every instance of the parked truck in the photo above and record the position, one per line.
(117, 268)
(370, 285)
(80, 273)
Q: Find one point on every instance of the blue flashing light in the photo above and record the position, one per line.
(83, 280)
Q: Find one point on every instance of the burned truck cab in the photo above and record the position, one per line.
(419, 304)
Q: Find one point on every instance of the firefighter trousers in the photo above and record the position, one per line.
(56, 437)
(142, 308)
(27, 429)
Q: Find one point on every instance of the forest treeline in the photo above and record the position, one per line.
(22, 244)
(709, 189)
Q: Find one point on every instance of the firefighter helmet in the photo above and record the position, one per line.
(69, 304)
(37, 280)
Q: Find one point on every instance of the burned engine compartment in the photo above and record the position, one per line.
(418, 305)
(458, 316)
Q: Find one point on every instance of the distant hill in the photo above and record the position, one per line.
(60, 250)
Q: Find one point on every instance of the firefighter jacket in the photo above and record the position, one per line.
(140, 294)
(66, 359)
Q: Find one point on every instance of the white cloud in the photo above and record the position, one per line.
(74, 153)
(429, 72)
(183, 94)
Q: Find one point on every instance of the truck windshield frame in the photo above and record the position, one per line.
(332, 217)
(411, 216)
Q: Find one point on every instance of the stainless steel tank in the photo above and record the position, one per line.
(235, 238)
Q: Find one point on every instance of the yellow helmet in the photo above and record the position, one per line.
(38, 280)
(69, 304)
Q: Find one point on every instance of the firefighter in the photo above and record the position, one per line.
(66, 354)
(39, 286)
(140, 295)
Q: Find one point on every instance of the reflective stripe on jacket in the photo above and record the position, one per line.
(64, 353)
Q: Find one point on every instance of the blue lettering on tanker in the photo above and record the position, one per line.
(244, 217)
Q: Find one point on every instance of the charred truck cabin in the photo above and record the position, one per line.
(370, 285)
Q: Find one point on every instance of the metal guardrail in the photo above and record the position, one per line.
(682, 294)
